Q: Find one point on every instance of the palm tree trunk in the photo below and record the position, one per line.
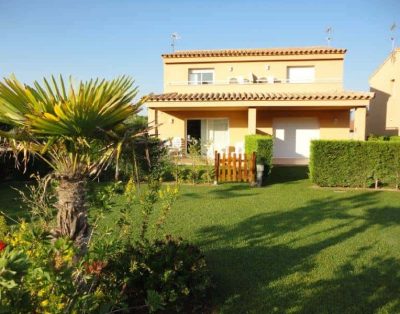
(72, 219)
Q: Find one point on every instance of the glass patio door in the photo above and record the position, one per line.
(216, 135)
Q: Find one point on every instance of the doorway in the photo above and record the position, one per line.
(212, 133)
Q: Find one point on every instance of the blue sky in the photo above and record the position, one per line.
(106, 38)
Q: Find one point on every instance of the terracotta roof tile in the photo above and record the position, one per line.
(254, 52)
(184, 97)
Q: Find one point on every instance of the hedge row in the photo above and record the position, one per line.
(355, 164)
(393, 138)
(262, 145)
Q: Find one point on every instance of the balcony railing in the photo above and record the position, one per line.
(244, 81)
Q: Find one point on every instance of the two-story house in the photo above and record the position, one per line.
(294, 94)
(383, 116)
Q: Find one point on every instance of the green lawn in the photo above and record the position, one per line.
(290, 247)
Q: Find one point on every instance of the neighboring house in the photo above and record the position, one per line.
(383, 117)
(294, 94)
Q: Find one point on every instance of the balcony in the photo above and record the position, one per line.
(262, 84)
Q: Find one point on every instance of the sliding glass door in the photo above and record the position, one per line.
(214, 135)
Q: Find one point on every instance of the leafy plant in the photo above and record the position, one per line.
(194, 153)
(262, 145)
(39, 199)
(138, 269)
(168, 274)
(355, 163)
(61, 125)
(14, 265)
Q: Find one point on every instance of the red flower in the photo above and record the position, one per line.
(95, 267)
(2, 245)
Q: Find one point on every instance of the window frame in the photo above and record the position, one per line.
(299, 81)
(201, 71)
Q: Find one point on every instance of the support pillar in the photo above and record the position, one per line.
(252, 121)
(360, 117)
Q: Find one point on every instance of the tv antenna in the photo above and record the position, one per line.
(174, 38)
(329, 32)
(393, 29)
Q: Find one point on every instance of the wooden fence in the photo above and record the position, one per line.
(235, 168)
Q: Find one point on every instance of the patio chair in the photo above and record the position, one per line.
(239, 148)
(176, 147)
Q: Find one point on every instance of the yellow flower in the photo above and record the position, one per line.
(44, 303)
(41, 292)
(98, 293)
(60, 306)
(23, 225)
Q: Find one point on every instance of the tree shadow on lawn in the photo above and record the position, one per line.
(287, 174)
(266, 263)
(223, 191)
(279, 174)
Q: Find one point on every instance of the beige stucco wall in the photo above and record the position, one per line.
(334, 124)
(328, 73)
(383, 117)
(173, 123)
(333, 115)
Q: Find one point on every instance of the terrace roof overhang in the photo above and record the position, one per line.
(227, 101)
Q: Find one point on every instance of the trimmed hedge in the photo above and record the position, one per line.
(262, 145)
(393, 138)
(355, 163)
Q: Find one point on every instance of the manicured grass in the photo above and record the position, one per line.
(290, 247)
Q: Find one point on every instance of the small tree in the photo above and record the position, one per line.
(61, 125)
(194, 152)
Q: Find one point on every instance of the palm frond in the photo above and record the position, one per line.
(59, 120)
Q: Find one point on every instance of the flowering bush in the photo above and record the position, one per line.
(127, 269)
(167, 274)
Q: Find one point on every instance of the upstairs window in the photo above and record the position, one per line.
(201, 76)
(301, 74)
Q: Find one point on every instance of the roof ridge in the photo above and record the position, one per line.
(254, 51)
(331, 95)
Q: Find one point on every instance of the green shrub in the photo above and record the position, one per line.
(373, 137)
(169, 275)
(262, 145)
(134, 271)
(146, 156)
(393, 138)
(355, 164)
(205, 173)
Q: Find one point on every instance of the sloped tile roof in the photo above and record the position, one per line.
(187, 97)
(254, 52)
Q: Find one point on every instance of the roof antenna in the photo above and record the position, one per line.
(174, 38)
(329, 32)
(393, 37)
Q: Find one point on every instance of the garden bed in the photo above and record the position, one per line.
(290, 247)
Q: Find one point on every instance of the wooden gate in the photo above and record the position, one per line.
(235, 168)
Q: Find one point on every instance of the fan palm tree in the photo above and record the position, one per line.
(62, 125)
